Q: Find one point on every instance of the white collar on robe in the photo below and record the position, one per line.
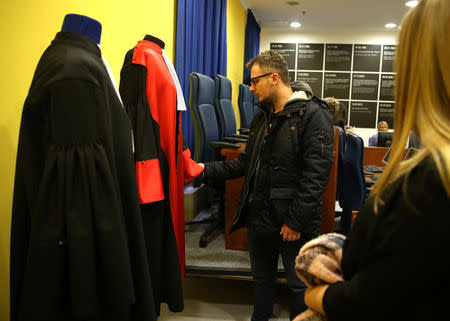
(181, 105)
(113, 81)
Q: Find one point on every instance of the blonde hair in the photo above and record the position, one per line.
(422, 93)
(383, 123)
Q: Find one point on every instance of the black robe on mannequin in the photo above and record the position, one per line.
(77, 244)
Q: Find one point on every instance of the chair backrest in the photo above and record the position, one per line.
(246, 103)
(201, 102)
(354, 184)
(329, 195)
(340, 171)
(224, 108)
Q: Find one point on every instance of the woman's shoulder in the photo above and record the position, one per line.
(421, 190)
(423, 176)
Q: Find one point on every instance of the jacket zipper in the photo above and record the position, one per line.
(253, 170)
(266, 132)
(245, 192)
(322, 137)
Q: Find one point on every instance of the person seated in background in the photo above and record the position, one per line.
(302, 86)
(333, 106)
(393, 261)
(382, 127)
(339, 112)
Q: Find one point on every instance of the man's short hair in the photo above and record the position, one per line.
(271, 61)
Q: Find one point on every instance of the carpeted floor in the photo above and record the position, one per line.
(218, 299)
(215, 259)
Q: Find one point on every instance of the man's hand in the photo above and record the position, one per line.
(289, 234)
(203, 172)
(197, 181)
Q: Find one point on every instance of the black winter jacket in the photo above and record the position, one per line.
(286, 162)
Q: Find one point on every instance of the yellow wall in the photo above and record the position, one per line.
(26, 29)
(236, 22)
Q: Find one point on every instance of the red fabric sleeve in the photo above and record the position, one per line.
(190, 167)
(149, 181)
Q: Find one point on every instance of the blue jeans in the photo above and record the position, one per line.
(264, 252)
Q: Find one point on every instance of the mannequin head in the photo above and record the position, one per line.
(82, 25)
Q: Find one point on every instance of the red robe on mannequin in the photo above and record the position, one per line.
(163, 165)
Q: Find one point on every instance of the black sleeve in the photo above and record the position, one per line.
(317, 156)
(223, 170)
(133, 80)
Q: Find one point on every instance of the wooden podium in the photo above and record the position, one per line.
(374, 155)
(238, 239)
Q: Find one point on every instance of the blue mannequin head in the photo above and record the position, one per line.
(82, 25)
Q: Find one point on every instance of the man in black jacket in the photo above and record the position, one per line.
(286, 163)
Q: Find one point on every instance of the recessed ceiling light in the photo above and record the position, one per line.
(390, 25)
(411, 3)
(295, 24)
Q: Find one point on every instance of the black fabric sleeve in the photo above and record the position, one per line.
(145, 132)
(133, 80)
(216, 172)
(317, 154)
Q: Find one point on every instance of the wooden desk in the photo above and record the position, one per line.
(238, 239)
(329, 195)
(374, 155)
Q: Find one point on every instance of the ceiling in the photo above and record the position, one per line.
(370, 15)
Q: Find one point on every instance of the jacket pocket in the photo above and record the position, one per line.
(280, 200)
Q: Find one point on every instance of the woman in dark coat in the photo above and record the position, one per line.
(393, 260)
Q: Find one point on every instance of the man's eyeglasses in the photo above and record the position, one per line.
(253, 80)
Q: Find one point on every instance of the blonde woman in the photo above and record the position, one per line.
(394, 261)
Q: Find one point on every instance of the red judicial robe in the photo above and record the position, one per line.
(163, 165)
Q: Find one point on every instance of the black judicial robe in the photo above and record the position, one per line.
(163, 165)
(77, 244)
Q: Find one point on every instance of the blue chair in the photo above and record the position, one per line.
(353, 192)
(340, 174)
(204, 119)
(225, 111)
(246, 103)
(207, 147)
